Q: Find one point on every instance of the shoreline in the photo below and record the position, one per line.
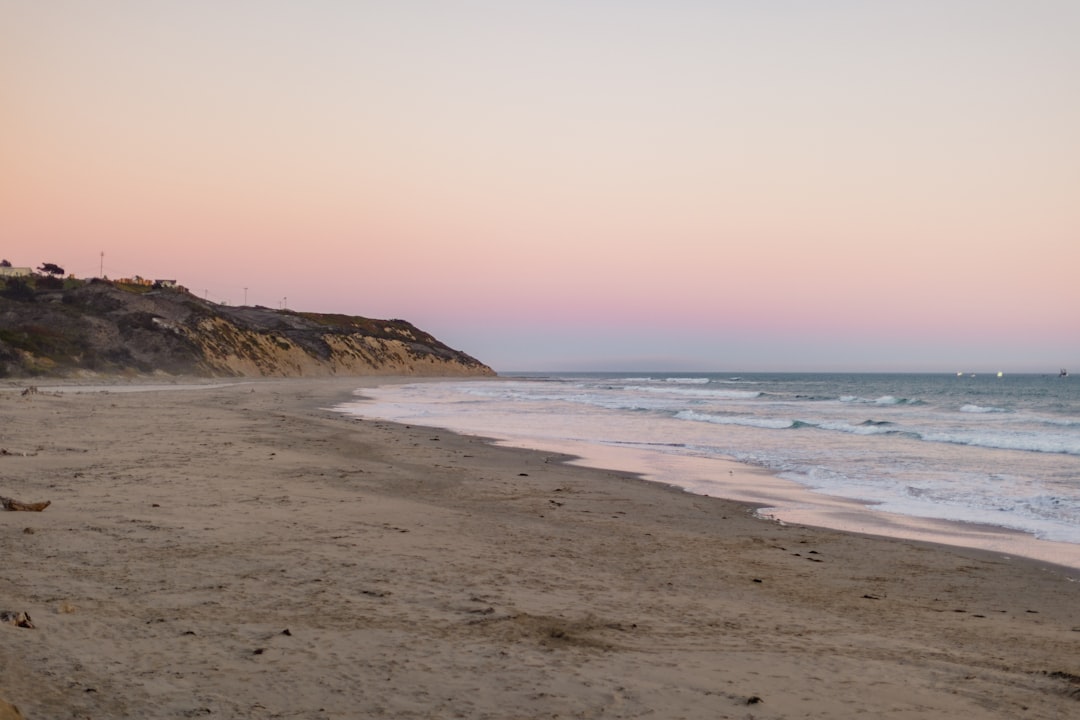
(785, 500)
(788, 502)
(421, 573)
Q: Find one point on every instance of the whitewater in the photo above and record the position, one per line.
(908, 450)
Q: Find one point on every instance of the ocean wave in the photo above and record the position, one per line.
(743, 420)
(707, 394)
(866, 428)
(1025, 442)
(870, 427)
(687, 381)
(1056, 421)
(981, 409)
(883, 400)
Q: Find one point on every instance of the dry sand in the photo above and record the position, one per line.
(243, 552)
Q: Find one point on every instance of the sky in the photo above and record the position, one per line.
(744, 185)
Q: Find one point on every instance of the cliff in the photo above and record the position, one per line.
(73, 327)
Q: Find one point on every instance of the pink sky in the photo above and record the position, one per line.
(565, 185)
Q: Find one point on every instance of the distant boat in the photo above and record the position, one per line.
(1063, 373)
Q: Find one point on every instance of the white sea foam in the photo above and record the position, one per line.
(765, 423)
(981, 409)
(883, 400)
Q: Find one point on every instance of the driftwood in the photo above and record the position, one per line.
(18, 619)
(12, 504)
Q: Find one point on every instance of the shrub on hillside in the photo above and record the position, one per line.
(18, 289)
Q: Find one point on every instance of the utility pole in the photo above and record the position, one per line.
(101, 269)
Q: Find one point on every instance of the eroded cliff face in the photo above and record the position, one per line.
(228, 349)
(102, 328)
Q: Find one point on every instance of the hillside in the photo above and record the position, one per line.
(53, 328)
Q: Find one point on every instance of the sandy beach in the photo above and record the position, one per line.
(243, 551)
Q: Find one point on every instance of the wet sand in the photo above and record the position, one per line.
(243, 551)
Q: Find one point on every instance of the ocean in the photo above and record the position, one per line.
(890, 453)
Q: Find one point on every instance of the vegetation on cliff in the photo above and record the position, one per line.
(51, 326)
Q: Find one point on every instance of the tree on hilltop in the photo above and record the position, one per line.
(5, 263)
(51, 269)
